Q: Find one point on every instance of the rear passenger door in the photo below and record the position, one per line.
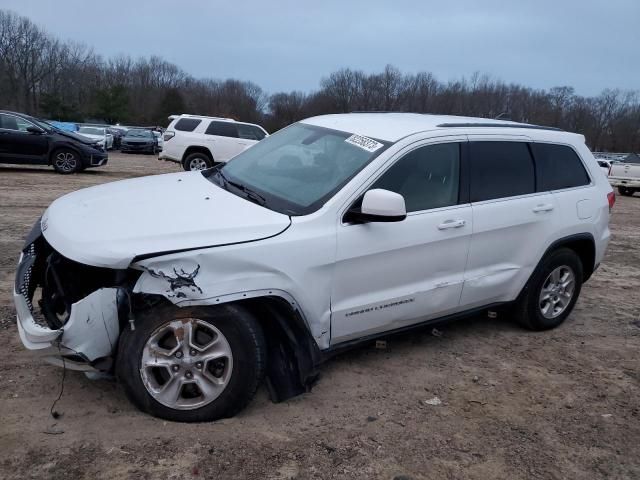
(249, 135)
(223, 140)
(561, 171)
(512, 220)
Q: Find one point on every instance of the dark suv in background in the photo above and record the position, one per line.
(25, 140)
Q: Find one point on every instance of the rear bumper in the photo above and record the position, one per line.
(624, 182)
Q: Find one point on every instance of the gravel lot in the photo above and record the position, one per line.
(515, 404)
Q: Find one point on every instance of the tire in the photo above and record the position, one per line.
(537, 310)
(197, 161)
(232, 380)
(626, 191)
(66, 161)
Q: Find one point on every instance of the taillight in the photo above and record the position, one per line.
(168, 136)
(611, 198)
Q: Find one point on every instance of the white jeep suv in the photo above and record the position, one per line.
(331, 232)
(198, 142)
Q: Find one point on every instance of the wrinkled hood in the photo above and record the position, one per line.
(109, 225)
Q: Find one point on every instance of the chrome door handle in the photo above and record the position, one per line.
(546, 207)
(451, 224)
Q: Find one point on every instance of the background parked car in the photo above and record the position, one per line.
(66, 126)
(159, 139)
(200, 142)
(139, 140)
(625, 175)
(117, 134)
(29, 141)
(99, 134)
(605, 166)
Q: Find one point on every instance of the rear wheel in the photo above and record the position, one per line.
(197, 161)
(190, 364)
(626, 191)
(66, 161)
(552, 291)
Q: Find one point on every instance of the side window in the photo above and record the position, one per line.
(558, 167)
(222, 129)
(427, 177)
(500, 169)
(10, 122)
(249, 132)
(187, 124)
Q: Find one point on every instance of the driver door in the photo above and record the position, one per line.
(17, 145)
(390, 275)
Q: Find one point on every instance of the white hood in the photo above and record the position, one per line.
(109, 225)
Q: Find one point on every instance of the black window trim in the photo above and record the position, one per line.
(584, 165)
(234, 124)
(175, 125)
(463, 181)
(499, 138)
(529, 142)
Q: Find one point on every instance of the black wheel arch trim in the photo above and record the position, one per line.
(569, 241)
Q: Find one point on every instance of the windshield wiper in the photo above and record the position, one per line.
(250, 194)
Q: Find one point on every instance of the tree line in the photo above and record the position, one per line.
(61, 80)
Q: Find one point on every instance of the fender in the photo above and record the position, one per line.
(294, 355)
(582, 243)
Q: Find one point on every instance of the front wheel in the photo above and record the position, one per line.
(192, 364)
(197, 161)
(66, 161)
(552, 291)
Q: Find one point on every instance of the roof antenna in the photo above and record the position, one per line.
(503, 116)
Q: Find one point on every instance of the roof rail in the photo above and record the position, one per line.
(498, 125)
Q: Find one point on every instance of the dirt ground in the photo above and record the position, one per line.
(563, 404)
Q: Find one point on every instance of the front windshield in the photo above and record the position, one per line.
(91, 130)
(297, 169)
(139, 133)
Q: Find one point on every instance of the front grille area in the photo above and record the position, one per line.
(52, 282)
(23, 282)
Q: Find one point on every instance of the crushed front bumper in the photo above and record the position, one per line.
(88, 338)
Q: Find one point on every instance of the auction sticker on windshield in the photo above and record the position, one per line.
(364, 142)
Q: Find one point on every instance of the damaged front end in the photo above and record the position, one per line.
(68, 312)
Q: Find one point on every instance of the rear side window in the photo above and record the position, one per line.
(558, 167)
(222, 129)
(187, 124)
(428, 177)
(500, 170)
(250, 132)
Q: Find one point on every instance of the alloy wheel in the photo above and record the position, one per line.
(186, 364)
(197, 163)
(557, 292)
(66, 162)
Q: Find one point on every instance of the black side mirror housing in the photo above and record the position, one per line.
(34, 129)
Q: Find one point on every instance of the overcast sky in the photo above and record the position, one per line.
(290, 45)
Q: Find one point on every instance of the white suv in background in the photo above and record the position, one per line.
(331, 232)
(199, 142)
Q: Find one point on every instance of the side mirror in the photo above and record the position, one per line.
(34, 129)
(379, 205)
